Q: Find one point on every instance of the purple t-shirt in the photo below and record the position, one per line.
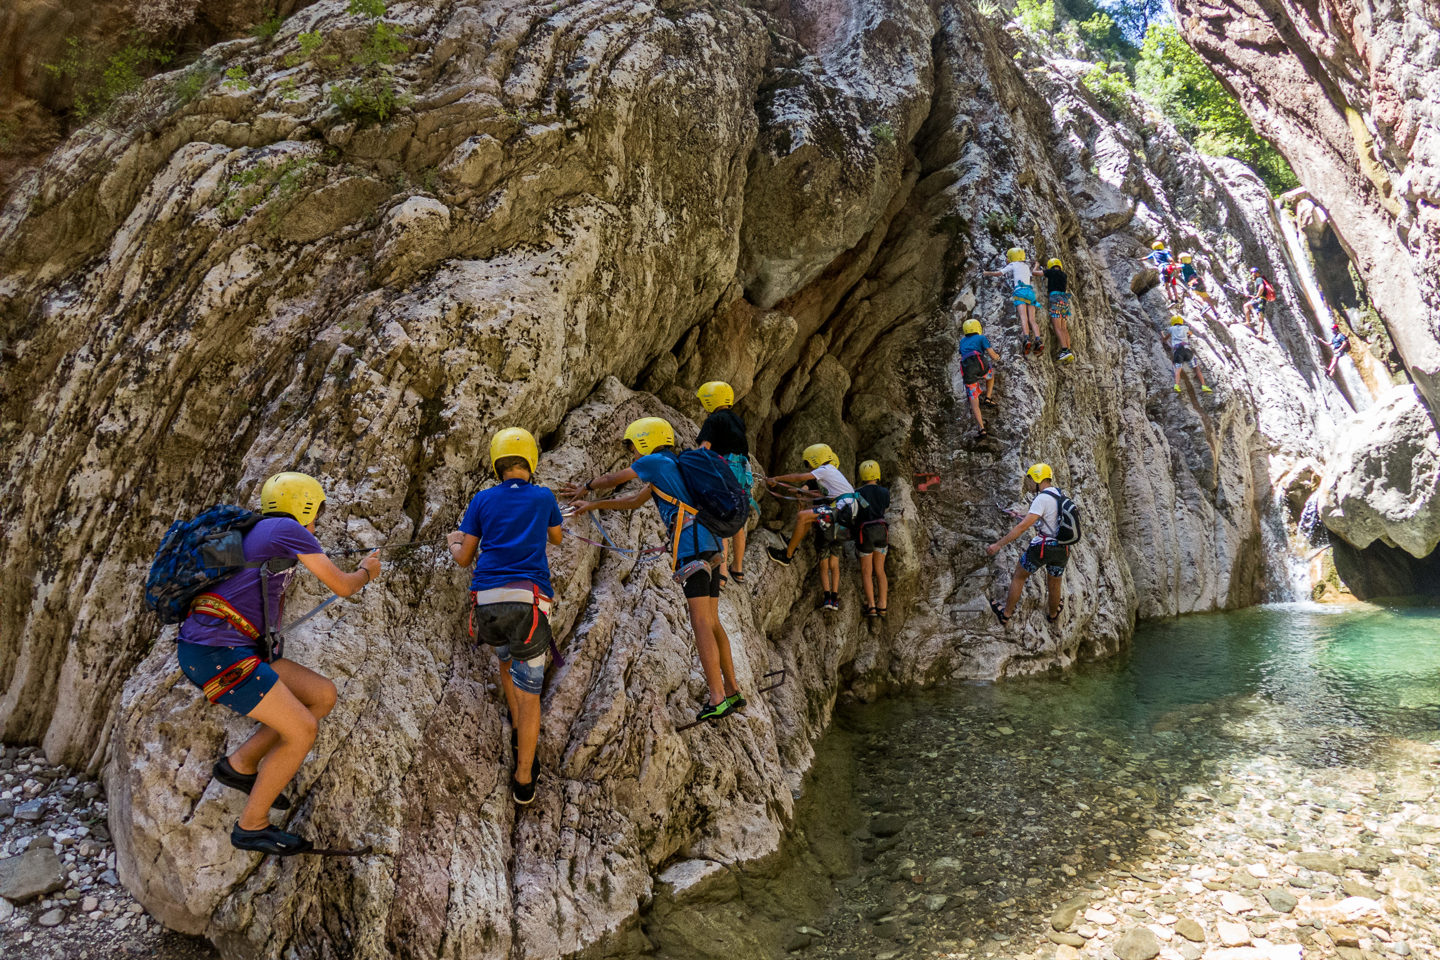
(270, 538)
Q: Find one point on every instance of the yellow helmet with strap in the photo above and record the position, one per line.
(818, 454)
(869, 472)
(1158, 245)
(649, 434)
(1015, 254)
(716, 395)
(1054, 262)
(296, 494)
(514, 442)
(1040, 472)
(970, 326)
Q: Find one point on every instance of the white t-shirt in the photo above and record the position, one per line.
(1018, 272)
(831, 480)
(1179, 333)
(1047, 508)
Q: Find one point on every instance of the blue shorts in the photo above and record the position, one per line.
(1024, 293)
(234, 677)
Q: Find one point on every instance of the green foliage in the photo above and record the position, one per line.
(882, 132)
(1178, 83)
(289, 88)
(1100, 30)
(382, 46)
(253, 186)
(988, 9)
(1036, 16)
(1111, 87)
(99, 79)
(1001, 224)
(267, 27)
(374, 9)
(368, 100)
(238, 79)
(189, 84)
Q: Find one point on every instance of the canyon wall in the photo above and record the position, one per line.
(577, 213)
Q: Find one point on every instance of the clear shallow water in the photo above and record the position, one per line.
(938, 822)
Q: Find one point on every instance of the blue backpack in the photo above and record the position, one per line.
(194, 556)
(716, 498)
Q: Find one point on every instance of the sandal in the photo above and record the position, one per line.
(999, 612)
(738, 576)
(983, 434)
(870, 612)
(880, 611)
(1058, 610)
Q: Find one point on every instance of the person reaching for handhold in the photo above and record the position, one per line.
(1339, 346)
(227, 648)
(872, 539)
(694, 550)
(1182, 354)
(724, 432)
(1056, 520)
(1260, 292)
(1163, 262)
(976, 370)
(1022, 293)
(1194, 284)
(509, 526)
(828, 519)
(1057, 292)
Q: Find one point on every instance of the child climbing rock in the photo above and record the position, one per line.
(694, 550)
(1260, 292)
(1195, 285)
(224, 650)
(1182, 354)
(1057, 292)
(1023, 296)
(724, 432)
(1339, 345)
(1056, 521)
(977, 370)
(509, 525)
(872, 539)
(1169, 274)
(827, 519)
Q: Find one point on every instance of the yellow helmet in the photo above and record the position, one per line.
(1185, 258)
(971, 326)
(869, 471)
(820, 453)
(716, 395)
(1158, 245)
(1176, 318)
(649, 434)
(1054, 262)
(1014, 254)
(514, 442)
(297, 494)
(1040, 472)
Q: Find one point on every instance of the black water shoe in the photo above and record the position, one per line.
(778, 555)
(270, 840)
(228, 776)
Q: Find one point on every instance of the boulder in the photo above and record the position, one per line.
(33, 874)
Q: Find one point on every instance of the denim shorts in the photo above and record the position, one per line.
(233, 677)
(520, 634)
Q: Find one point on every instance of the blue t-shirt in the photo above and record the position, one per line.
(974, 343)
(269, 539)
(1188, 272)
(1160, 257)
(660, 471)
(1338, 342)
(512, 521)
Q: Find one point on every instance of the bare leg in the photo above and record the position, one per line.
(1054, 596)
(722, 649)
(737, 559)
(883, 580)
(833, 565)
(802, 524)
(867, 564)
(512, 703)
(527, 727)
(310, 688)
(295, 728)
(975, 407)
(707, 646)
(989, 386)
(1017, 584)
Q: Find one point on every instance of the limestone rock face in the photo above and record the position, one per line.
(1386, 477)
(580, 212)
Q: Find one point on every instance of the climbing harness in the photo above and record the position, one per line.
(633, 553)
(782, 673)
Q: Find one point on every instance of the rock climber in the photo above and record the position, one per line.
(829, 520)
(724, 432)
(1023, 296)
(1259, 293)
(1339, 346)
(509, 525)
(1195, 285)
(1057, 292)
(220, 652)
(977, 370)
(1163, 262)
(872, 539)
(1044, 549)
(694, 550)
(1182, 354)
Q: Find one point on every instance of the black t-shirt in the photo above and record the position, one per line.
(1055, 280)
(725, 432)
(877, 501)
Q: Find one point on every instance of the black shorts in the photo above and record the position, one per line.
(829, 534)
(1052, 556)
(520, 627)
(706, 583)
(873, 536)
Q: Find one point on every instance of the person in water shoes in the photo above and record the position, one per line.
(1195, 285)
(1182, 355)
(1339, 346)
(724, 432)
(977, 369)
(829, 520)
(1023, 296)
(872, 539)
(694, 549)
(1163, 262)
(1057, 292)
(221, 652)
(1260, 292)
(1044, 550)
(509, 525)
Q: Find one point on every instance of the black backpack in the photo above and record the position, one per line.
(974, 366)
(1067, 518)
(194, 556)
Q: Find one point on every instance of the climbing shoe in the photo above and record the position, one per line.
(735, 700)
(1205, 389)
(1177, 388)
(714, 711)
(522, 793)
(1039, 346)
(1025, 346)
(1066, 356)
(778, 555)
(244, 782)
(270, 840)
